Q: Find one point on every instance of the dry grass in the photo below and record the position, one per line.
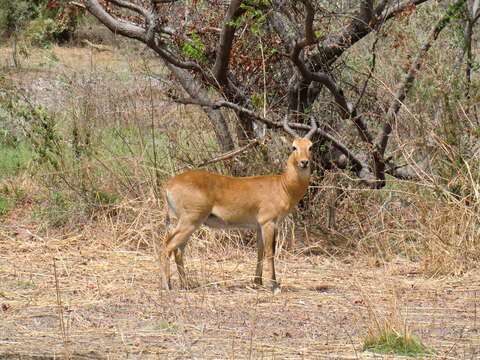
(90, 289)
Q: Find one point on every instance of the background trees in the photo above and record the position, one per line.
(264, 59)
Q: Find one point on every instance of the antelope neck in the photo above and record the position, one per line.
(295, 181)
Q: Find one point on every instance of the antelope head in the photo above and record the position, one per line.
(301, 155)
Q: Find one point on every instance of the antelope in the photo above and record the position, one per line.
(199, 197)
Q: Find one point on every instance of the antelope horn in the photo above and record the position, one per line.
(287, 127)
(313, 130)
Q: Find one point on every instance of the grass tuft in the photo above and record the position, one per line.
(386, 339)
(4, 206)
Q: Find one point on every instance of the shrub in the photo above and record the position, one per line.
(44, 31)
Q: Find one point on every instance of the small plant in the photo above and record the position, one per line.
(164, 326)
(385, 339)
(14, 159)
(56, 212)
(195, 49)
(23, 284)
(45, 139)
(102, 198)
(4, 206)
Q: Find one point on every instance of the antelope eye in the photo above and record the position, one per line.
(294, 148)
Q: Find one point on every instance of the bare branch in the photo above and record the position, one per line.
(230, 105)
(136, 32)
(361, 167)
(366, 11)
(116, 26)
(131, 6)
(389, 12)
(309, 33)
(166, 55)
(310, 37)
(230, 154)
(75, 3)
(333, 47)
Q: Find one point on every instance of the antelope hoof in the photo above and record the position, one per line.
(165, 286)
(189, 285)
(276, 289)
(257, 281)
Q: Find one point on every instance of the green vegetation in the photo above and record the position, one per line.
(387, 340)
(14, 14)
(14, 159)
(42, 32)
(86, 166)
(164, 326)
(23, 284)
(4, 206)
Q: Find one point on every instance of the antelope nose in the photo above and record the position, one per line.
(303, 164)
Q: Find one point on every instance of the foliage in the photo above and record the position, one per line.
(44, 31)
(16, 13)
(57, 210)
(14, 159)
(195, 49)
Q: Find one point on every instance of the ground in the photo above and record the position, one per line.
(77, 296)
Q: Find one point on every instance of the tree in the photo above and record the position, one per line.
(267, 58)
(15, 15)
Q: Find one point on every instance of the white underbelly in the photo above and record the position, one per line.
(215, 222)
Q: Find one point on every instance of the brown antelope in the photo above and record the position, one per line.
(258, 202)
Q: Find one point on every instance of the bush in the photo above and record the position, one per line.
(42, 32)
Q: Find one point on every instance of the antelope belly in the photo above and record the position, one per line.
(216, 222)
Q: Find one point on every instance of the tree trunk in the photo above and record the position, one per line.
(14, 52)
(222, 133)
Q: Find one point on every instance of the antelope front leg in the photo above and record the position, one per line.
(260, 253)
(269, 232)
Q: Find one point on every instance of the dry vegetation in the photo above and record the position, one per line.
(78, 273)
